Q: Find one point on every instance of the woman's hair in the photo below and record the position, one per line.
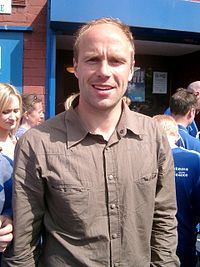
(69, 100)
(124, 28)
(127, 100)
(6, 91)
(28, 102)
(168, 123)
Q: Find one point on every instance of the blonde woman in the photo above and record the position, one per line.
(10, 113)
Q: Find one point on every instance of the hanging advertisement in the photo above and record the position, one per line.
(136, 88)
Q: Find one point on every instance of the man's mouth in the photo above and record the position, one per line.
(103, 87)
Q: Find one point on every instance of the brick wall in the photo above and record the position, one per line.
(33, 14)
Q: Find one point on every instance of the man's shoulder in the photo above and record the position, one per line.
(142, 121)
(51, 129)
(140, 118)
(55, 123)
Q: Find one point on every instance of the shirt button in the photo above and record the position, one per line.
(110, 177)
(114, 236)
(121, 131)
(112, 206)
(116, 264)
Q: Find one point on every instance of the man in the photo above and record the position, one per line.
(187, 177)
(195, 87)
(96, 179)
(192, 128)
(183, 105)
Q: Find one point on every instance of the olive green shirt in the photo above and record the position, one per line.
(96, 203)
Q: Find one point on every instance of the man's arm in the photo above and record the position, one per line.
(164, 229)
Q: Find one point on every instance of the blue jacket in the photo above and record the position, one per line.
(186, 140)
(6, 169)
(187, 177)
(192, 128)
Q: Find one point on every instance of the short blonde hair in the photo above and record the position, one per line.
(7, 90)
(168, 123)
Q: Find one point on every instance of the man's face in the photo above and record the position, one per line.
(103, 67)
(197, 93)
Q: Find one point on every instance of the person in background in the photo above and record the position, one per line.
(10, 113)
(32, 113)
(187, 177)
(95, 180)
(183, 105)
(68, 102)
(192, 128)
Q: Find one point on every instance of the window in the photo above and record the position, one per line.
(21, 3)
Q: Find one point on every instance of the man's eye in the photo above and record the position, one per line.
(5, 111)
(16, 110)
(92, 60)
(117, 61)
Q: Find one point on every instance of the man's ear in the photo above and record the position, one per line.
(191, 113)
(75, 67)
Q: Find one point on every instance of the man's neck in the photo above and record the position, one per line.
(181, 120)
(102, 122)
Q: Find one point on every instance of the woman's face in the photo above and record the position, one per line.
(36, 116)
(10, 116)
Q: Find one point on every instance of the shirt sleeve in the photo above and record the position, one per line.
(28, 209)
(164, 229)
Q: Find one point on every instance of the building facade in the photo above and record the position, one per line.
(167, 40)
(23, 46)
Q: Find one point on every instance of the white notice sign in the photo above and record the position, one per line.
(159, 82)
(5, 6)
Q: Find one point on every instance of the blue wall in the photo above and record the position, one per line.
(179, 15)
(11, 58)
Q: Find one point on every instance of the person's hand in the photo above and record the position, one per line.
(6, 229)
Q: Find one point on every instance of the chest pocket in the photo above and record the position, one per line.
(68, 205)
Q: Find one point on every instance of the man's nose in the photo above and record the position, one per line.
(104, 68)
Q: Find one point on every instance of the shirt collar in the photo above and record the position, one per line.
(181, 127)
(76, 131)
(131, 121)
(75, 128)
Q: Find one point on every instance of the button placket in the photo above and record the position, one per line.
(112, 200)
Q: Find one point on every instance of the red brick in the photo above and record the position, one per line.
(34, 68)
